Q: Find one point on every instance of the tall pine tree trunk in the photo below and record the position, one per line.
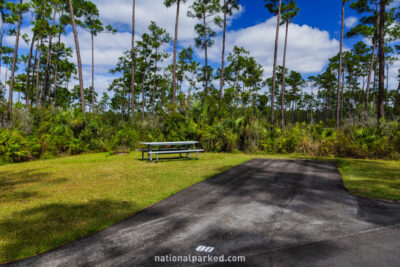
(374, 89)
(28, 70)
(381, 95)
(48, 63)
(278, 22)
(14, 64)
(32, 83)
(293, 111)
(206, 54)
(133, 63)
(37, 74)
(92, 40)
(5, 78)
(78, 55)
(143, 95)
(311, 107)
(371, 67)
(221, 89)
(56, 70)
(342, 96)
(397, 105)
(175, 54)
(284, 77)
(374, 41)
(340, 67)
(361, 92)
(154, 86)
(387, 86)
(236, 89)
(1, 41)
(123, 104)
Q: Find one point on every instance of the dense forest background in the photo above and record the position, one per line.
(347, 110)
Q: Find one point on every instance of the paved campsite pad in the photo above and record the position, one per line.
(274, 212)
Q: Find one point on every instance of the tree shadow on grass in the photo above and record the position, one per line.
(372, 167)
(17, 196)
(36, 230)
(10, 179)
(12, 184)
(167, 159)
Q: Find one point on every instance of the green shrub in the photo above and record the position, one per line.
(14, 147)
(126, 138)
(177, 127)
(45, 133)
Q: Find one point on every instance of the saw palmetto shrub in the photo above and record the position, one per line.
(42, 133)
(14, 147)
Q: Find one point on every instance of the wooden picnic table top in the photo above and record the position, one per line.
(180, 143)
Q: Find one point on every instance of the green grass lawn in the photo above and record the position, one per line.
(44, 204)
(376, 179)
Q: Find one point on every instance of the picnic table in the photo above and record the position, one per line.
(181, 147)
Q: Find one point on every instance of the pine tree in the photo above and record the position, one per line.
(290, 10)
(133, 63)
(203, 10)
(381, 49)
(228, 8)
(169, 3)
(340, 65)
(18, 9)
(78, 55)
(275, 7)
(158, 38)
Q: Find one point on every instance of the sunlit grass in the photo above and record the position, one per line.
(44, 204)
(376, 179)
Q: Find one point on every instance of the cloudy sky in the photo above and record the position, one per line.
(313, 36)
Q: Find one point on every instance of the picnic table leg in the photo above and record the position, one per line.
(190, 155)
(151, 157)
(148, 154)
(157, 157)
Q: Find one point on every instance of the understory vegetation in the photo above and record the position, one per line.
(46, 133)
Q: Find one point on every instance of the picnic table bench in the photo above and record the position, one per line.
(157, 148)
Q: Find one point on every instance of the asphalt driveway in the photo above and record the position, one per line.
(273, 212)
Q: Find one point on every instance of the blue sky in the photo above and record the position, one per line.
(313, 35)
(323, 14)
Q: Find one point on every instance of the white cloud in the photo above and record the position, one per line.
(350, 22)
(9, 40)
(119, 12)
(108, 47)
(308, 48)
(393, 73)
